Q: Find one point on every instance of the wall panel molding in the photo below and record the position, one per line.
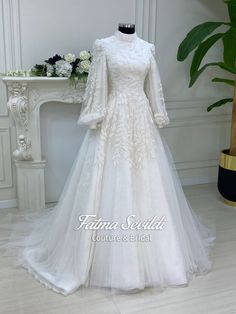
(10, 59)
(10, 44)
(197, 120)
(194, 112)
(5, 159)
(11, 37)
(3, 94)
(145, 19)
(191, 102)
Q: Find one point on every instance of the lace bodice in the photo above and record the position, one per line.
(127, 67)
(123, 66)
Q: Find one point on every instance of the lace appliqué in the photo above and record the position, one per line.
(129, 134)
(133, 108)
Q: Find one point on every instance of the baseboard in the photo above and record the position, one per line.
(198, 180)
(8, 203)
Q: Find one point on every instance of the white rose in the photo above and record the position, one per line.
(84, 55)
(70, 57)
(84, 66)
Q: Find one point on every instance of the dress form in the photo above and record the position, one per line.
(126, 28)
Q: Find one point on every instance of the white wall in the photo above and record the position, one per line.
(31, 31)
(60, 26)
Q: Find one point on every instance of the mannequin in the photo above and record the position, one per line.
(126, 28)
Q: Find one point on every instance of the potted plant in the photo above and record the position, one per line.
(200, 39)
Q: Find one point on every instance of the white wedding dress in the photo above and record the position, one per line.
(123, 167)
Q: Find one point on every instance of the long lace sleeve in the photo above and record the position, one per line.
(95, 97)
(154, 92)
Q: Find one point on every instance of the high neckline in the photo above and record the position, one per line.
(125, 37)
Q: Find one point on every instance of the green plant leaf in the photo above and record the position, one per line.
(222, 80)
(233, 27)
(229, 41)
(202, 50)
(219, 103)
(227, 67)
(232, 10)
(195, 37)
(199, 72)
(219, 64)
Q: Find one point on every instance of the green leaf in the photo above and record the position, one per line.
(199, 72)
(233, 27)
(219, 64)
(222, 80)
(195, 37)
(232, 10)
(219, 103)
(229, 41)
(227, 67)
(202, 50)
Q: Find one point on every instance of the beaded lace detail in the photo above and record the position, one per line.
(124, 99)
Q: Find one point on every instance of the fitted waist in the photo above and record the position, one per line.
(126, 86)
(128, 95)
(127, 92)
(131, 88)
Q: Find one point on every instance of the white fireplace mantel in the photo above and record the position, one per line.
(25, 97)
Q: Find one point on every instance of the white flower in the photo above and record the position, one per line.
(50, 68)
(49, 74)
(63, 68)
(84, 55)
(84, 66)
(18, 73)
(70, 57)
(27, 73)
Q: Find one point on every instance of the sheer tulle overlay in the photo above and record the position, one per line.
(124, 172)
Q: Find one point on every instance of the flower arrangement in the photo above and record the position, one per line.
(74, 68)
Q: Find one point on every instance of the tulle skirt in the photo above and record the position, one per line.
(122, 221)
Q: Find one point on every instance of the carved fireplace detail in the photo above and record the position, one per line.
(25, 97)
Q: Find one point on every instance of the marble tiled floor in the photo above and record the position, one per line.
(214, 293)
